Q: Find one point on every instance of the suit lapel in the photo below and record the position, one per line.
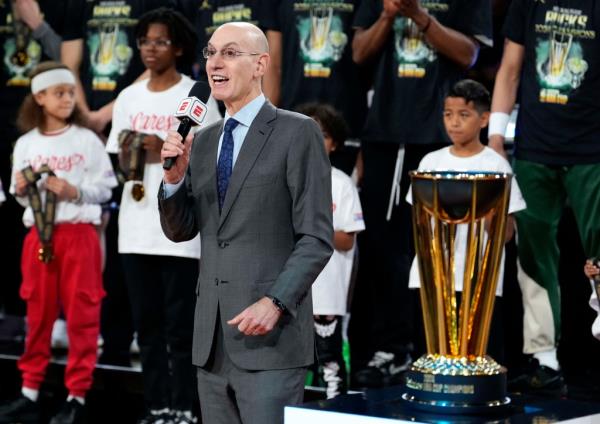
(258, 133)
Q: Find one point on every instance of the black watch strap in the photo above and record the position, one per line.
(278, 304)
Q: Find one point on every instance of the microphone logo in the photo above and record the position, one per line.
(193, 109)
(198, 111)
(184, 105)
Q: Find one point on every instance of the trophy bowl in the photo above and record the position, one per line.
(456, 375)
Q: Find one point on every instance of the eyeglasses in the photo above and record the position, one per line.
(228, 53)
(158, 44)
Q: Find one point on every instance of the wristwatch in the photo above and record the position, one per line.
(278, 304)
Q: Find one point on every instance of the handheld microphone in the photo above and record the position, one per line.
(191, 112)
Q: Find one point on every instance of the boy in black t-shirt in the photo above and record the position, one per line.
(553, 51)
(419, 49)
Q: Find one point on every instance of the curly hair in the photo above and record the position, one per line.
(330, 120)
(31, 115)
(181, 31)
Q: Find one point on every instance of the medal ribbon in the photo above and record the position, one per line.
(133, 142)
(22, 37)
(43, 216)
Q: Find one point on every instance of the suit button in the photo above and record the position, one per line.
(223, 244)
(216, 281)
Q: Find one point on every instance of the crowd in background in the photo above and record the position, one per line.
(384, 70)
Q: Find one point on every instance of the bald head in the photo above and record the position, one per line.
(247, 33)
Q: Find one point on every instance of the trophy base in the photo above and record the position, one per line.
(439, 384)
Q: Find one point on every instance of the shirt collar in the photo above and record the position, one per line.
(246, 115)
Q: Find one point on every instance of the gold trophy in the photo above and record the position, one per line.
(560, 45)
(456, 375)
(320, 19)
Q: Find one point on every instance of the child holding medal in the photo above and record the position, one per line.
(61, 174)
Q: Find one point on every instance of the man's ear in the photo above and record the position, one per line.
(484, 119)
(262, 64)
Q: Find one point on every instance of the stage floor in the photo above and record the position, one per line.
(384, 406)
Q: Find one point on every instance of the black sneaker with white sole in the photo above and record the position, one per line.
(384, 369)
(159, 416)
(334, 377)
(72, 412)
(538, 380)
(20, 410)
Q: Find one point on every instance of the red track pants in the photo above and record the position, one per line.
(73, 281)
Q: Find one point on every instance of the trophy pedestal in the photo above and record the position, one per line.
(441, 384)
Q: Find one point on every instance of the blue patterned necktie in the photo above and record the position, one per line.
(225, 163)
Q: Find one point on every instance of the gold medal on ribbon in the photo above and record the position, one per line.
(45, 254)
(43, 214)
(137, 191)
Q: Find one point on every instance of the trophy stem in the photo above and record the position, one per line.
(438, 269)
(489, 274)
(450, 291)
(466, 324)
(423, 242)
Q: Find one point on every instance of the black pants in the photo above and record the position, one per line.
(381, 317)
(116, 325)
(162, 294)
(329, 348)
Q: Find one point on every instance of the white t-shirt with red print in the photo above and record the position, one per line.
(150, 112)
(75, 154)
(330, 289)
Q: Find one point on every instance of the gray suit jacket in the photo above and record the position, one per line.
(274, 235)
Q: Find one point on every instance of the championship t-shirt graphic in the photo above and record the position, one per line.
(560, 80)
(321, 34)
(21, 52)
(560, 57)
(108, 43)
(412, 51)
(224, 12)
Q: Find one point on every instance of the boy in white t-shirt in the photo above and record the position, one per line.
(466, 112)
(330, 289)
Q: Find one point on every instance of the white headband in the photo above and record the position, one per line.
(52, 77)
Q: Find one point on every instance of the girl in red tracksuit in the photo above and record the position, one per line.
(71, 276)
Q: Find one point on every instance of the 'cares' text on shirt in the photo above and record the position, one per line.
(142, 122)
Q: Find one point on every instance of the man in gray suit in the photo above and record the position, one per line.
(258, 189)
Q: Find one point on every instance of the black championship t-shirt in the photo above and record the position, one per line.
(111, 60)
(20, 54)
(317, 56)
(411, 78)
(213, 13)
(559, 114)
(210, 14)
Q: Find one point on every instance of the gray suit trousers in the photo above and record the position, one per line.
(231, 395)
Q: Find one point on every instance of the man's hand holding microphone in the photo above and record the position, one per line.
(175, 154)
